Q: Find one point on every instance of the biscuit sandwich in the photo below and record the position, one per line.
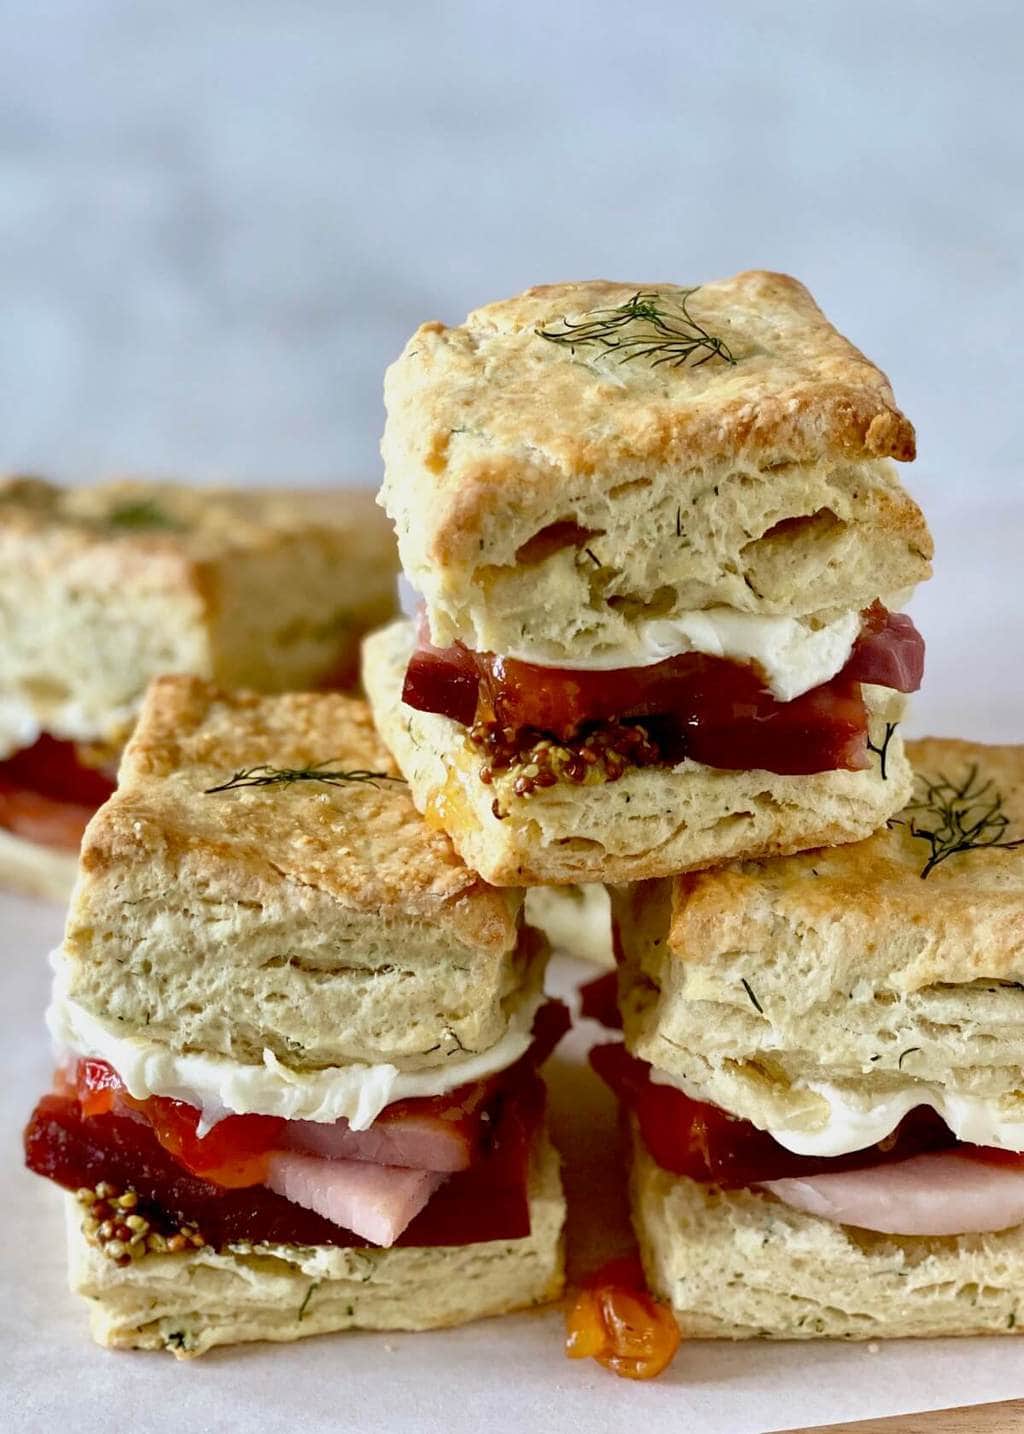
(822, 1069)
(297, 1044)
(660, 546)
(108, 586)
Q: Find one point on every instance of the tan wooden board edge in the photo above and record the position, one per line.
(977, 1419)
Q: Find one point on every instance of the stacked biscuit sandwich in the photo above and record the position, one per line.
(661, 548)
(297, 1041)
(108, 586)
(658, 551)
(824, 1073)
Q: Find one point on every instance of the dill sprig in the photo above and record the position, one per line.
(141, 513)
(265, 776)
(881, 750)
(650, 325)
(968, 816)
(750, 992)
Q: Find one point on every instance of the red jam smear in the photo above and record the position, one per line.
(709, 709)
(705, 1143)
(47, 794)
(599, 1000)
(233, 1153)
(614, 1321)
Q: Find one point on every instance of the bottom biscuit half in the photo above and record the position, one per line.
(187, 1303)
(652, 821)
(36, 870)
(737, 1264)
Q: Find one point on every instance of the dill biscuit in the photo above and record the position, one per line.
(736, 1264)
(261, 888)
(842, 988)
(563, 466)
(190, 1302)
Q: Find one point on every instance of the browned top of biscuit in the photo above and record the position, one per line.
(951, 864)
(359, 840)
(144, 521)
(493, 404)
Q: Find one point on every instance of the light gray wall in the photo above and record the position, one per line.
(220, 219)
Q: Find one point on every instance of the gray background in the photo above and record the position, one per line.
(220, 219)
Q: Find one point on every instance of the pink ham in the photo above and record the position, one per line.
(418, 1142)
(376, 1202)
(889, 656)
(940, 1194)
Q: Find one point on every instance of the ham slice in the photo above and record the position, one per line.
(375, 1202)
(935, 1194)
(889, 651)
(415, 1142)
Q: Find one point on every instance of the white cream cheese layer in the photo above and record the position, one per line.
(793, 656)
(851, 1125)
(220, 1086)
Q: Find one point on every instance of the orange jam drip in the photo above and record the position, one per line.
(615, 1321)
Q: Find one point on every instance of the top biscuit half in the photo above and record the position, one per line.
(105, 587)
(824, 996)
(571, 463)
(261, 888)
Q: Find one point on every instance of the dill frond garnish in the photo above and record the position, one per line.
(141, 513)
(306, 1299)
(882, 751)
(264, 776)
(750, 992)
(964, 817)
(650, 325)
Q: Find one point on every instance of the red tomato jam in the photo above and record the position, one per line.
(47, 794)
(615, 1321)
(709, 709)
(90, 1132)
(705, 1143)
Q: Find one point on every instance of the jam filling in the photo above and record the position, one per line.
(706, 1144)
(614, 1320)
(551, 724)
(599, 998)
(89, 1134)
(48, 794)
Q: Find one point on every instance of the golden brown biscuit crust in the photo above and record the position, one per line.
(492, 414)
(324, 923)
(362, 843)
(971, 902)
(103, 588)
(777, 988)
(129, 523)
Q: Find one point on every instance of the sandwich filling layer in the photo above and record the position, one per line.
(218, 1086)
(919, 1179)
(50, 789)
(745, 693)
(446, 1169)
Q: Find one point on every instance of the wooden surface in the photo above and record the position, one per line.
(980, 1419)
